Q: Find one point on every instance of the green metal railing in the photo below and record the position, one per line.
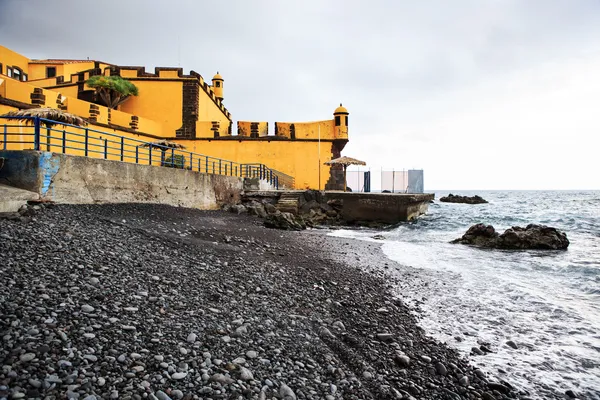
(47, 135)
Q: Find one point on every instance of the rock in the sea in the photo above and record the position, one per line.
(537, 237)
(451, 198)
(512, 344)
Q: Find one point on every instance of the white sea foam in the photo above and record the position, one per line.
(548, 303)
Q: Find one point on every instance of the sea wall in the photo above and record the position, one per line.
(313, 208)
(79, 180)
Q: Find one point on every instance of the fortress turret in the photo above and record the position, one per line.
(341, 116)
(217, 86)
(341, 120)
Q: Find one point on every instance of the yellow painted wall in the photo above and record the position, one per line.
(120, 118)
(70, 91)
(128, 73)
(38, 71)
(308, 130)
(157, 100)
(209, 111)
(10, 58)
(43, 82)
(204, 129)
(21, 91)
(168, 74)
(75, 68)
(299, 159)
(5, 109)
(18, 91)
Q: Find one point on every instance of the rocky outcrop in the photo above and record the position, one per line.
(297, 211)
(451, 198)
(286, 221)
(538, 237)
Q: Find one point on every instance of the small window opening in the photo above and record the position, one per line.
(25, 77)
(16, 74)
(346, 120)
(0, 68)
(50, 72)
(337, 120)
(218, 84)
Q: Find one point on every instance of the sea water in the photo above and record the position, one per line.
(546, 302)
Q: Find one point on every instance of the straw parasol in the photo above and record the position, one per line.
(51, 116)
(345, 161)
(164, 145)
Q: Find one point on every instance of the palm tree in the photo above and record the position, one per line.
(113, 90)
(50, 116)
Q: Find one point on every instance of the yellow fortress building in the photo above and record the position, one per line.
(176, 107)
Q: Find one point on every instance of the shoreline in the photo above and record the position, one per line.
(210, 304)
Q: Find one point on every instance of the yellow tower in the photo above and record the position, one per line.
(341, 120)
(217, 86)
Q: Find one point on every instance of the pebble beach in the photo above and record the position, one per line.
(140, 301)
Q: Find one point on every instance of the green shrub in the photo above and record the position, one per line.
(177, 161)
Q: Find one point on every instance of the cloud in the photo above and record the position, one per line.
(496, 94)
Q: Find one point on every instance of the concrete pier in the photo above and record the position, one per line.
(354, 208)
(388, 208)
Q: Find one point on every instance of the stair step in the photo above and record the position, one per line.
(288, 202)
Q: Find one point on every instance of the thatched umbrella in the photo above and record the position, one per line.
(163, 145)
(51, 116)
(345, 161)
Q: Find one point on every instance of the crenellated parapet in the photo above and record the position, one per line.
(248, 129)
(134, 73)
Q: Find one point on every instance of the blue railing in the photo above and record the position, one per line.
(48, 135)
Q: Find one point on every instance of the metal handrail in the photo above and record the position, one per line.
(68, 139)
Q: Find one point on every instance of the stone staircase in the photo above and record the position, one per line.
(288, 202)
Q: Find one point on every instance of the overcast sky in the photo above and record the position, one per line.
(481, 94)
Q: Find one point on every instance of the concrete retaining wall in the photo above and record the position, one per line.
(71, 179)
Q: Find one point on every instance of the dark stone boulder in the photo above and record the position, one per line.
(336, 204)
(535, 237)
(270, 208)
(238, 209)
(451, 198)
(309, 205)
(256, 208)
(284, 220)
